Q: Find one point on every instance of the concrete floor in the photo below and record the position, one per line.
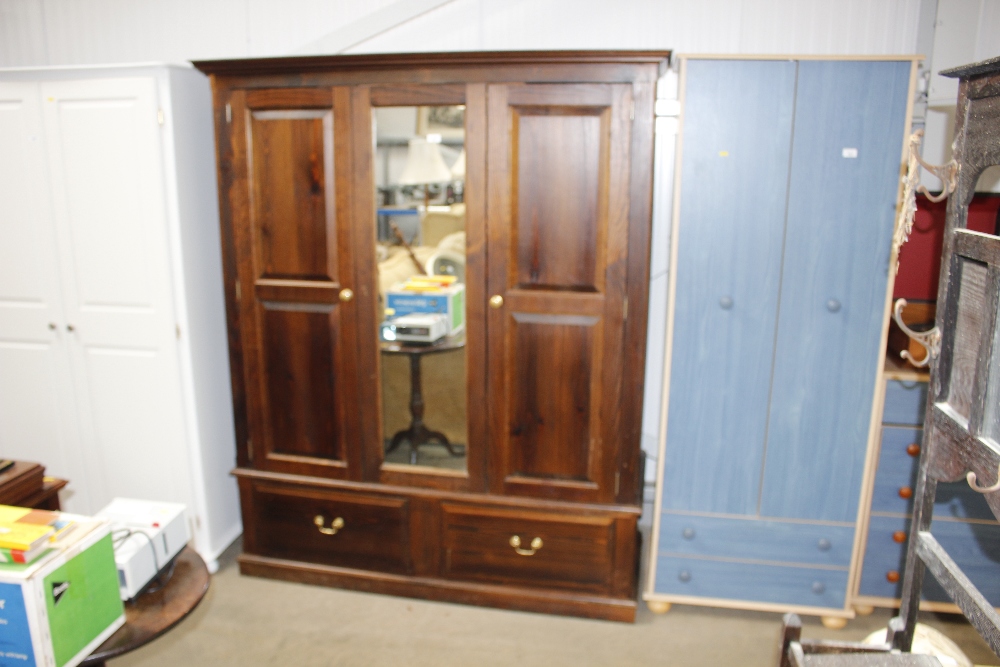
(247, 621)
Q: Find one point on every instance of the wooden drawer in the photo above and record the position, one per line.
(905, 402)
(754, 539)
(733, 580)
(974, 546)
(576, 552)
(372, 534)
(896, 479)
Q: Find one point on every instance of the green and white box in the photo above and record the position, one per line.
(55, 611)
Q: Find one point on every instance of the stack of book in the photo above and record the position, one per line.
(26, 534)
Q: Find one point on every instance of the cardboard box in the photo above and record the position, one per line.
(449, 301)
(55, 611)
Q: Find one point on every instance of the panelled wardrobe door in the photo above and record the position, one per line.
(290, 149)
(842, 201)
(109, 204)
(558, 213)
(730, 234)
(37, 407)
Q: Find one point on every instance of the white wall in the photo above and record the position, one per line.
(79, 32)
(70, 32)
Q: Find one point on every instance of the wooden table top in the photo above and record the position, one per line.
(151, 614)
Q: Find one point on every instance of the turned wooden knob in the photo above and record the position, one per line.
(913, 449)
(899, 536)
(892, 576)
(905, 492)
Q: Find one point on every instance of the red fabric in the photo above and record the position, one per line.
(920, 257)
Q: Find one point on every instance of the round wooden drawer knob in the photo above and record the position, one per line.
(892, 576)
(913, 449)
(899, 536)
(905, 492)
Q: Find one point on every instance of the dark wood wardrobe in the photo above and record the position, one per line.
(539, 511)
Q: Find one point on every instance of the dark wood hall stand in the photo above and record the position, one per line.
(151, 614)
(417, 433)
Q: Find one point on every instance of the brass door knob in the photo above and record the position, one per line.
(536, 544)
(496, 301)
(334, 528)
(346, 294)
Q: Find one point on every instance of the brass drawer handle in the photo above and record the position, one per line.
(536, 544)
(496, 301)
(334, 528)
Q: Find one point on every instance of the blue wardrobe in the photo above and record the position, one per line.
(789, 178)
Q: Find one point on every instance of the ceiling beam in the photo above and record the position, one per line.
(379, 21)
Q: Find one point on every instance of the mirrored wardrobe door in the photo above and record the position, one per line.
(425, 266)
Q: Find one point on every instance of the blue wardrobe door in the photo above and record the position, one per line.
(736, 140)
(847, 144)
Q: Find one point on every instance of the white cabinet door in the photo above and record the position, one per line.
(38, 418)
(107, 189)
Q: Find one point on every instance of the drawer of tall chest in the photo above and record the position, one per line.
(974, 546)
(526, 547)
(905, 402)
(329, 527)
(896, 479)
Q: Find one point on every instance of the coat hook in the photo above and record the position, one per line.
(971, 479)
(930, 340)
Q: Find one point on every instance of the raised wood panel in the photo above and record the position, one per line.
(557, 222)
(302, 382)
(551, 410)
(850, 119)
(291, 193)
(558, 152)
(729, 239)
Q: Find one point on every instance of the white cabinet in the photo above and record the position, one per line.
(113, 361)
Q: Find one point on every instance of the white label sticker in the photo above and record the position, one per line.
(849, 152)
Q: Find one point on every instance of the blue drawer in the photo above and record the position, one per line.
(810, 587)
(897, 470)
(756, 539)
(974, 546)
(905, 402)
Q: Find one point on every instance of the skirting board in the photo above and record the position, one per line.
(442, 590)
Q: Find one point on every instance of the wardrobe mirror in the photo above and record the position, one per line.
(420, 255)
